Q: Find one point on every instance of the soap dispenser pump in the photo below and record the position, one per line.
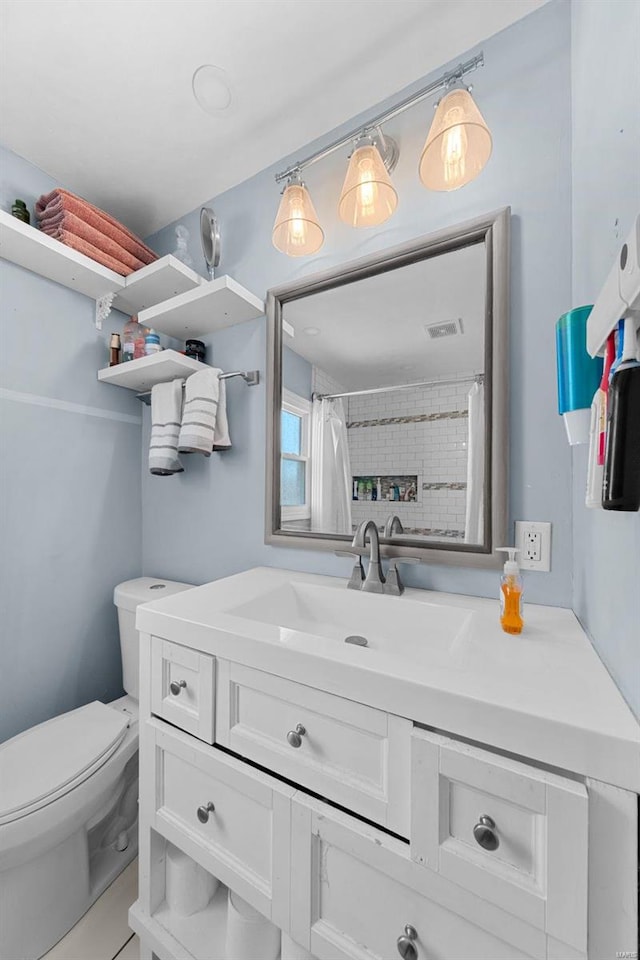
(511, 593)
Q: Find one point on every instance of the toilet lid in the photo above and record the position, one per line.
(47, 761)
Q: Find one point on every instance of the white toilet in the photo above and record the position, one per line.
(69, 802)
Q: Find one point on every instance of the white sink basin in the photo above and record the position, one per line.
(385, 622)
(439, 659)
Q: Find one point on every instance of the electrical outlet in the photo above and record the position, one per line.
(533, 540)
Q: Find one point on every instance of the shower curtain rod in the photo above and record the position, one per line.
(477, 378)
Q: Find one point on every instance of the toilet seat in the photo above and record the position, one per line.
(49, 760)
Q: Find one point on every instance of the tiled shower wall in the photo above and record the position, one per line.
(428, 437)
(323, 383)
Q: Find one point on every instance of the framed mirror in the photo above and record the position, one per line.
(388, 399)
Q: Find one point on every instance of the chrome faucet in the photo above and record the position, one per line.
(374, 581)
(393, 525)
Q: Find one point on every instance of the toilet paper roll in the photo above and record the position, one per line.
(250, 936)
(293, 951)
(188, 888)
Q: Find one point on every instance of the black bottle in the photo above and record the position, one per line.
(621, 483)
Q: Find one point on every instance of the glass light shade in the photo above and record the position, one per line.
(368, 197)
(296, 230)
(458, 145)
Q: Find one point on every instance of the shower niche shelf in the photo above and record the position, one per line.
(213, 305)
(142, 374)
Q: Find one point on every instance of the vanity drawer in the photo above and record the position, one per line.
(357, 888)
(515, 835)
(231, 819)
(352, 754)
(183, 687)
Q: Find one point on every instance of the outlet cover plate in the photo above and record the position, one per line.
(533, 537)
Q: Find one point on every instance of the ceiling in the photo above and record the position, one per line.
(371, 333)
(98, 94)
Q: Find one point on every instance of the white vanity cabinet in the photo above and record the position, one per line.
(183, 688)
(362, 834)
(357, 889)
(231, 819)
(513, 834)
(347, 752)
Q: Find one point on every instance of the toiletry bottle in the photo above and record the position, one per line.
(597, 432)
(139, 342)
(151, 343)
(511, 594)
(130, 332)
(621, 483)
(114, 350)
(19, 210)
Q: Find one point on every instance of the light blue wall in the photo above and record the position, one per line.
(606, 200)
(70, 505)
(208, 522)
(297, 373)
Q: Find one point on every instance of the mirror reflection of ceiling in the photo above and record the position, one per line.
(372, 332)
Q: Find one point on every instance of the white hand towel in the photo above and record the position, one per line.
(166, 415)
(221, 438)
(204, 419)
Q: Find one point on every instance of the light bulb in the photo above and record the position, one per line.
(368, 196)
(367, 190)
(454, 149)
(296, 230)
(297, 226)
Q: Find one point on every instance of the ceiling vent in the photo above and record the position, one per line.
(450, 328)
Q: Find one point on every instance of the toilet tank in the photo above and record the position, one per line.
(127, 596)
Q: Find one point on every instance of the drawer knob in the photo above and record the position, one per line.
(204, 811)
(406, 947)
(294, 737)
(176, 686)
(485, 833)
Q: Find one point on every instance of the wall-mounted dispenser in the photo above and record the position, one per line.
(578, 373)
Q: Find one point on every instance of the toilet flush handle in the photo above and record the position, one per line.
(176, 686)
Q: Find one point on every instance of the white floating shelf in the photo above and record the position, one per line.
(30, 248)
(140, 375)
(159, 281)
(215, 304)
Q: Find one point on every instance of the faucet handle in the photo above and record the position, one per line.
(357, 574)
(394, 584)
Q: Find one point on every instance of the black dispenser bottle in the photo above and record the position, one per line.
(621, 483)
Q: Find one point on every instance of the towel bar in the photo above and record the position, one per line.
(250, 377)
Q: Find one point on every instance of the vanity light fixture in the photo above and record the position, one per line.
(296, 230)
(458, 145)
(368, 196)
(456, 150)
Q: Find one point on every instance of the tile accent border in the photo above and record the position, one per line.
(416, 418)
(444, 486)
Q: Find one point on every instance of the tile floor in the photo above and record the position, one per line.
(103, 933)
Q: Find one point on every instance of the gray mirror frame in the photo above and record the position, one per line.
(494, 230)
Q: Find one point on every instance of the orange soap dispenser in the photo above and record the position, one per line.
(511, 594)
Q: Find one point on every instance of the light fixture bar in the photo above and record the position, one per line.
(441, 83)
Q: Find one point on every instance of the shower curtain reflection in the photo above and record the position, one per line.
(330, 468)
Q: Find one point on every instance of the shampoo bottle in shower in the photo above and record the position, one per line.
(511, 594)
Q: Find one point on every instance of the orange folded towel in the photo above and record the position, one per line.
(69, 223)
(59, 202)
(83, 246)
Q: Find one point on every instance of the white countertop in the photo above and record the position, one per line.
(543, 695)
